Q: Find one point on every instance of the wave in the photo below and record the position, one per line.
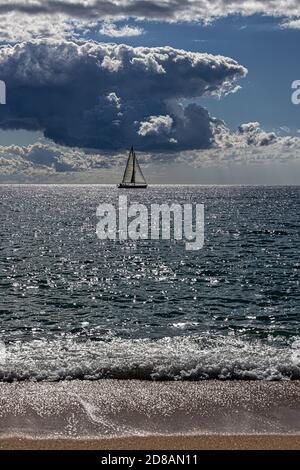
(197, 357)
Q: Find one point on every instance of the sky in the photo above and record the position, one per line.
(203, 90)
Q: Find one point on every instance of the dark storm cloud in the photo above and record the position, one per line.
(104, 96)
(23, 20)
(154, 9)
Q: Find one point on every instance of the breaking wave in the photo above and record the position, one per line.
(171, 358)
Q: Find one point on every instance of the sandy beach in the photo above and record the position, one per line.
(213, 442)
(112, 415)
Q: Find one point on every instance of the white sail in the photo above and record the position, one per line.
(129, 169)
(139, 177)
(133, 174)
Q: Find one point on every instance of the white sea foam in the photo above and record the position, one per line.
(184, 325)
(171, 358)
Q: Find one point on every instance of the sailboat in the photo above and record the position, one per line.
(133, 176)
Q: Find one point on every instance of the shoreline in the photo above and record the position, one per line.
(204, 442)
(133, 414)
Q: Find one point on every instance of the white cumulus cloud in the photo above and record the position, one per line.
(113, 31)
(156, 125)
(291, 24)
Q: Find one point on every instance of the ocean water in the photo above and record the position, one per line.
(73, 306)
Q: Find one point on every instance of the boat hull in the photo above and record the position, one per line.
(132, 186)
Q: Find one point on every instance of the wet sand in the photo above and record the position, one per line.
(132, 414)
(215, 442)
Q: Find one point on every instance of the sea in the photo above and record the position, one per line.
(73, 306)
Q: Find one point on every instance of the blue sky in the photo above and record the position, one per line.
(257, 42)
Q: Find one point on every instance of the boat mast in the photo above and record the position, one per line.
(133, 169)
